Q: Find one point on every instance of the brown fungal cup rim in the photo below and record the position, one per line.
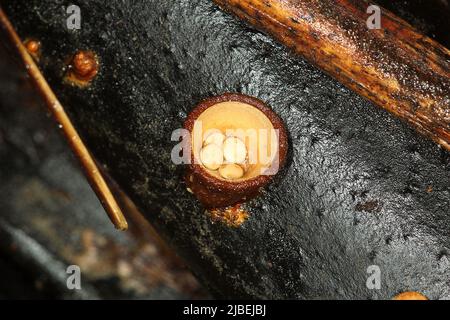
(241, 185)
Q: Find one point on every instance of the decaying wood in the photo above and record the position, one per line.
(359, 189)
(395, 66)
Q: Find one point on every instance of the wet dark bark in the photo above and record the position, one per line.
(360, 187)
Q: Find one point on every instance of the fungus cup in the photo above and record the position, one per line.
(237, 145)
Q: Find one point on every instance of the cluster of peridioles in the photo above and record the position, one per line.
(228, 155)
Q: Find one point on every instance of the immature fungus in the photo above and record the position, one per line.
(83, 67)
(237, 155)
(34, 48)
(410, 295)
(211, 156)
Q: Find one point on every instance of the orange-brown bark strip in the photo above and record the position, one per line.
(395, 66)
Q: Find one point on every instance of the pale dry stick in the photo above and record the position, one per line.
(93, 174)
